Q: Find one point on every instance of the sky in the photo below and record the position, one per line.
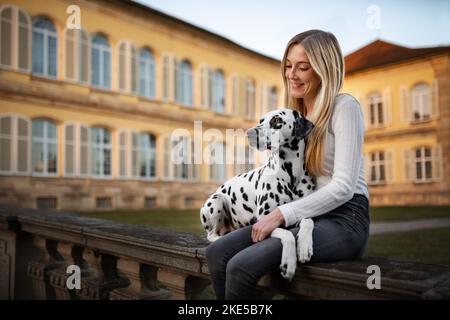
(266, 26)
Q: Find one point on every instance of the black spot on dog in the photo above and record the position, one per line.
(268, 186)
(251, 176)
(234, 212)
(253, 220)
(204, 218)
(209, 204)
(263, 199)
(224, 191)
(211, 211)
(271, 195)
(277, 199)
(309, 187)
(304, 181)
(245, 197)
(242, 189)
(260, 211)
(229, 190)
(266, 206)
(247, 208)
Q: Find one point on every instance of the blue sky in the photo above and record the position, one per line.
(267, 25)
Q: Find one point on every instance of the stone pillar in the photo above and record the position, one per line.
(100, 276)
(142, 279)
(39, 270)
(182, 286)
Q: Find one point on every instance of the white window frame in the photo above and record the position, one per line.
(376, 164)
(376, 100)
(149, 69)
(101, 49)
(422, 92)
(45, 140)
(46, 35)
(422, 161)
(101, 147)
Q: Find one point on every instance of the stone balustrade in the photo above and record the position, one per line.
(122, 261)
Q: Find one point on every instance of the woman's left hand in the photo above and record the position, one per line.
(266, 225)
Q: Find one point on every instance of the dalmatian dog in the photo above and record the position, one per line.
(246, 198)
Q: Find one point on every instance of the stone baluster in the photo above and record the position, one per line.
(142, 280)
(182, 285)
(48, 259)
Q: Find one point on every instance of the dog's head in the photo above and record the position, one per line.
(279, 127)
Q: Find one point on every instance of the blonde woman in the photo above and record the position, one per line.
(313, 72)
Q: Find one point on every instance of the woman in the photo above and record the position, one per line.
(313, 72)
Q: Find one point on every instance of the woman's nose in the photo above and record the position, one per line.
(292, 73)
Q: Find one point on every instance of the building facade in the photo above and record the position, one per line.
(405, 96)
(88, 116)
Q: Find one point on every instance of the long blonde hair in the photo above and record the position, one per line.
(325, 57)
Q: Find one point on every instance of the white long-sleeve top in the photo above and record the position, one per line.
(343, 165)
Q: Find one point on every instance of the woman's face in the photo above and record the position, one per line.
(302, 80)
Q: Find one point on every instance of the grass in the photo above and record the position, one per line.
(427, 246)
(408, 213)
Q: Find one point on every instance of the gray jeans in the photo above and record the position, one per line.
(236, 263)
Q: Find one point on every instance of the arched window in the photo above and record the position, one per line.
(420, 96)
(218, 90)
(45, 44)
(376, 114)
(147, 155)
(14, 145)
(184, 83)
(377, 167)
(44, 149)
(423, 161)
(100, 62)
(77, 48)
(147, 74)
(100, 152)
(15, 38)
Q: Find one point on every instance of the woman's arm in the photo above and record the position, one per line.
(348, 127)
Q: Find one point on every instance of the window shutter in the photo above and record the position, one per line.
(166, 78)
(23, 146)
(408, 165)
(84, 151)
(387, 106)
(434, 97)
(405, 105)
(365, 109)
(437, 163)
(174, 93)
(69, 150)
(70, 54)
(389, 165)
(167, 160)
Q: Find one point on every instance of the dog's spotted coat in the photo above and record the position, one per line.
(244, 199)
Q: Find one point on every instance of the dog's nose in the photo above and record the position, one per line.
(252, 132)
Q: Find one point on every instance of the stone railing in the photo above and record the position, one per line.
(123, 261)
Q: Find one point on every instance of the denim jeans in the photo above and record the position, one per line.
(236, 263)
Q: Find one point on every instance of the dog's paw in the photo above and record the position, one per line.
(288, 262)
(305, 241)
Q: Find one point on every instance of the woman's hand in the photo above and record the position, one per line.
(266, 225)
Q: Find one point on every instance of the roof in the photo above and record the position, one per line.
(172, 19)
(380, 53)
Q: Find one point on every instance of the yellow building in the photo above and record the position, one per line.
(87, 116)
(405, 95)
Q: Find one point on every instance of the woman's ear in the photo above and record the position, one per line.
(302, 127)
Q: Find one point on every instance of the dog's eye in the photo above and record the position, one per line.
(261, 120)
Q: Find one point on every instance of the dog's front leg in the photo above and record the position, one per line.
(305, 241)
(288, 257)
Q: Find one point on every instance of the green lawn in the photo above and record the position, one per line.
(408, 213)
(427, 246)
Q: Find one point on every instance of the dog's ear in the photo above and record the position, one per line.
(302, 127)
